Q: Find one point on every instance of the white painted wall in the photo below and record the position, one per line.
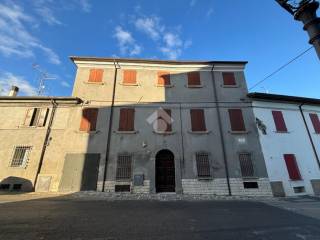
(296, 141)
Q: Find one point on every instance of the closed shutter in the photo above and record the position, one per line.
(246, 165)
(129, 77)
(315, 122)
(124, 163)
(292, 166)
(228, 79)
(194, 79)
(197, 120)
(28, 117)
(96, 75)
(89, 119)
(236, 120)
(43, 117)
(164, 120)
(203, 165)
(163, 78)
(279, 121)
(126, 122)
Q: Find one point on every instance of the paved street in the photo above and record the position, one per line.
(60, 218)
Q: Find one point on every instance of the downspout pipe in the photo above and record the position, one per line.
(46, 141)
(309, 134)
(116, 66)
(221, 131)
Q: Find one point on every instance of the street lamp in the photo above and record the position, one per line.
(306, 12)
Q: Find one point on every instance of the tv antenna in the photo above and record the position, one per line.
(43, 76)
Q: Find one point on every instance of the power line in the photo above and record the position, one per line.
(280, 68)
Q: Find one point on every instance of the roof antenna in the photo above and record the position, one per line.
(42, 78)
(265, 89)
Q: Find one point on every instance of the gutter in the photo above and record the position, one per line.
(116, 66)
(309, 134)
(221, 131)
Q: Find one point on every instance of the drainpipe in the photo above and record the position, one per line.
(309, 134)
(116, 66)
(46, 141)
(221, 130)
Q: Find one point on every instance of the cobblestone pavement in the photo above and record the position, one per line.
(100, 216)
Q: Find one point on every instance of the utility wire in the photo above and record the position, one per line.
(282, 67)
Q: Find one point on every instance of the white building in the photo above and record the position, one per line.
(289, 132)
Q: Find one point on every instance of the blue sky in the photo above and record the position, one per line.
(47, 32)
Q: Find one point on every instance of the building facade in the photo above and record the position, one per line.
(290, 139)
(144, 126)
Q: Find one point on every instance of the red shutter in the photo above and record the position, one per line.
(228, 78)
(96, 75)
(194, 78)
(163, 78)
(126, 122)
(292, 166)
(236, 120)
(279, 121)
(89, 119)
(315, 121)
(197, 120)
(129, 77)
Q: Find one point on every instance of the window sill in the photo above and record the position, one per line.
(239, 132)
(88, 132)
(205, 178)
(199, 132)
(95, 83)
(230, 86)
(126, 132)
(165, 86)
(296, 180)
(250, 178)
(164, 133)
(130, 84)
(281, 131)
(194, 86)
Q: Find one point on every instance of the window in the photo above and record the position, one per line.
(236, 120)
(164, 122)
(96, 75)
(129, 77)
(315, 122)
(20, 156)
(126, 122)
(279, 121)
(250, 185)
(292, 166)
(299, 189)
(89, 119)
(164, 78)
(246, 165)
(124, 167)
(198, 123)
(36, 117)
(228, 79)
(194, 79)
(203, 165)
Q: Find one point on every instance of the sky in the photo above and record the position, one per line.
(39, 36)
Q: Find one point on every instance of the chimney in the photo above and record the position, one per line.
(14, 91)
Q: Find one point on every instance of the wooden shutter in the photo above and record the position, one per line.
(197, 120)
(203, 165)
(228, 79)
(43, 117)
(279, 121)
(292, 166)
(246, 165)
(89, 119)
(28, 116)
(236, 120)
(126, 122)
(163, 78)
(129, 77)
(96, 75)
(315, 122)
(194, 79)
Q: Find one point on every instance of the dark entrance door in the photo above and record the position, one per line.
(165, 175)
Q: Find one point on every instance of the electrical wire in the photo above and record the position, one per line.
(280, 68)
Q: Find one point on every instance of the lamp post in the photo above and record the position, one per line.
(306, 12)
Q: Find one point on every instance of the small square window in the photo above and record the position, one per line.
(20, 156)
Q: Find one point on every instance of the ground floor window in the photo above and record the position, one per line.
(203, 165)
(20, 156)
(124, 167)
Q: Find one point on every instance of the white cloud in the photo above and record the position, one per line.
(193, 3)
(126, 42)
(65, 84)
(85, 5)
(8, 79)
(209, 12)
(15, 38)
(150, 26)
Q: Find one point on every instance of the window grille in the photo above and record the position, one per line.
(203, 165)
(124, 167)
(20, 156)
(246, 165)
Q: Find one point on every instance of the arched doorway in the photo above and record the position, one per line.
(165, 171)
